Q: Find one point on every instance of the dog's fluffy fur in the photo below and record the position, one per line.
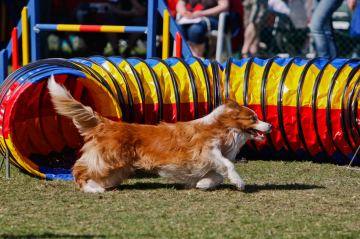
(196, 153)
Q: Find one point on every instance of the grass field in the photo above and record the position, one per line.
(281, 200)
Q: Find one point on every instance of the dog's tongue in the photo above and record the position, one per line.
(260, 135)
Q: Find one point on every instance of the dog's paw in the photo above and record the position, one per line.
(238, 182)
(93, 187)
(240, 187)
(93, 190)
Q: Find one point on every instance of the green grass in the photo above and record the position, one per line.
(10, 69)
(282, 200)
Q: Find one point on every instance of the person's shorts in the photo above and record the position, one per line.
(254, 11)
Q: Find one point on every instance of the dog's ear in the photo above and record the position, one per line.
(231, 103)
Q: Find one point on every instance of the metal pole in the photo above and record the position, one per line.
(33, 10)
(3, 65)
(178, 44)
(25, 36)
(186, 52)
(166, 35)
(15, 48)
(348, 167)
(7, 164)
(151, 28)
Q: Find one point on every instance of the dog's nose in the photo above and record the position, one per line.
(271, 126)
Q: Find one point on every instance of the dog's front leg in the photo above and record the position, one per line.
(230, 170)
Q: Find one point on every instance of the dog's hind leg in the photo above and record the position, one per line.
(210, 180)
(83, 179)
(116, 177)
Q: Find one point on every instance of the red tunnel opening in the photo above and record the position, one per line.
(39, 133)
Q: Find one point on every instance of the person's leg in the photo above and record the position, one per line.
(197, 34)
(249, 37)
(114, 41)
(235, 23)
(322, 30)
(183, 29)
(254, 47)
(135, 21)
(255, 11)
(131, 43)
(197, 49)
(247, 33)
(112, 19)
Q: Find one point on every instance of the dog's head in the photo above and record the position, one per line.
(245, 120)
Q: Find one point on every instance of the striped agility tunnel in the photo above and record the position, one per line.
(313, 104)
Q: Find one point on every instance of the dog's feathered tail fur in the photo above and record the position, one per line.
(84, 118)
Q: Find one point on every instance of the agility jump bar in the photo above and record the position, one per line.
(313, 104)
(89, 28)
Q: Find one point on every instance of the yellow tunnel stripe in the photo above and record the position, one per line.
(307, 89)
(104, 102)
(236, 82)
(118, 78)
(23, 161)
(211, 81)
(291, 85)
(147, 82)
(133, 85)
(339, 86)
(183, 82)
(254, 85)
(324, 86)
(166, 84)
(200, 81)
(272, 83)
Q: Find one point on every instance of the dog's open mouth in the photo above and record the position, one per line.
(256, 134)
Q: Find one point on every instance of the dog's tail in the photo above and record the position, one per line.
(84, 117)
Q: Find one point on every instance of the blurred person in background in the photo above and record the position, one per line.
(254, 16)
(126, 13)
(321, 27)
(209, 11)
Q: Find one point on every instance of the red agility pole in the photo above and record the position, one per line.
(15, 46)
(178, 44)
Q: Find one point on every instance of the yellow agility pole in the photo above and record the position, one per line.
(25, 36)
(166, 35)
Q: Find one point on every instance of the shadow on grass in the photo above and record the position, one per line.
(151, 186)
(250, 188)
(48, 235)
(141, 174)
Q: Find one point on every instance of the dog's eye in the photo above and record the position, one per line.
(253, 118)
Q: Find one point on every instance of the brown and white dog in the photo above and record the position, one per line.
(195, 153)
